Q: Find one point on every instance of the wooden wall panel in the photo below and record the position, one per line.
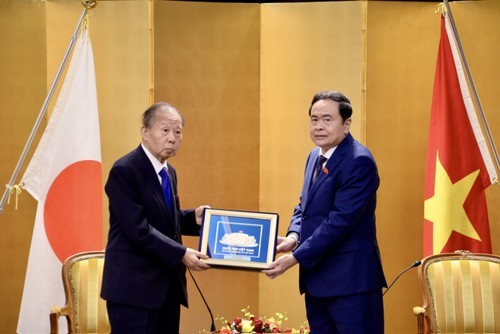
(243, 75)
(22, 91)
(306, 48)
(207, 64)
(34, 37)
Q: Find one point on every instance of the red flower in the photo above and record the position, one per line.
(257, 325)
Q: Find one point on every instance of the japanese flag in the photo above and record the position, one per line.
(64, 176)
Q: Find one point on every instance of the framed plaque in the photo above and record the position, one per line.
(241, 239)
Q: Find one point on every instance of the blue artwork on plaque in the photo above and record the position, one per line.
(239, 238)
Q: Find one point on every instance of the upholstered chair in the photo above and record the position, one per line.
(85, 311)
(461, 293)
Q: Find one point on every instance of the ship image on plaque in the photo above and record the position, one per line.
(242, 239)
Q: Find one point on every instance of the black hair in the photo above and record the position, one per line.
(345, 108)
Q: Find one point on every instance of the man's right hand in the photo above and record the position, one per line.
(192, 260)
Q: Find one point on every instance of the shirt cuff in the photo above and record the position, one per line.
(294, 235)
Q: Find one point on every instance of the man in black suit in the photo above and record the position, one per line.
(144, 281)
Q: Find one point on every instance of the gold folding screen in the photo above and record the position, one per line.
(207, 63)
(22, 91)
(306, 48)
(243, 75)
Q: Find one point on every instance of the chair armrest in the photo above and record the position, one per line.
(55, 313)
(419, 312)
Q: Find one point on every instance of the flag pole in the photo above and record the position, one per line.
(10, 187)
(473, 86)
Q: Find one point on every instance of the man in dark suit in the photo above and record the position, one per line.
(332, 233)
(144, 281)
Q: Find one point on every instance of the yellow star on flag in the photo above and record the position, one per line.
(445, 209)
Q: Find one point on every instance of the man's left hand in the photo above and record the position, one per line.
(199, 213)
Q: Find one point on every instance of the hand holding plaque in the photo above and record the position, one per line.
(240, 239)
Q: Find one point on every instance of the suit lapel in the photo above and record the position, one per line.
(153, 183)
(334, 160)
(313, 156)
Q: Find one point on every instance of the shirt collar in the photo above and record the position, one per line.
(328, 153)
(155, 162)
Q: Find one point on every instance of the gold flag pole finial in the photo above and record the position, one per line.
(89, 4)
(440, 9)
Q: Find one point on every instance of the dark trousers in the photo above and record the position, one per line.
(126, 319)
(353, 314)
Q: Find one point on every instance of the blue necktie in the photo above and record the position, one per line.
(319, 167)
(165, 185)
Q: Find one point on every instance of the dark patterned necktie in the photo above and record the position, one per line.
(319, 167)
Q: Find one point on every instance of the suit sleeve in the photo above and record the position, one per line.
(188, 223)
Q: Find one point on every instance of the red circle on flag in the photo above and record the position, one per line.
(73, 210)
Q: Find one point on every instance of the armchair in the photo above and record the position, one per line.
(461, 293)
(85, 311)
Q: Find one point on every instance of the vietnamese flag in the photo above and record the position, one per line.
(459, 166)
(65, 177)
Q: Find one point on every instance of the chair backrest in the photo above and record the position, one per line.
(461, 292)
(82, 278)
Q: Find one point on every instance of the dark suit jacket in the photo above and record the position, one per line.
(144, 249)
(338, 251)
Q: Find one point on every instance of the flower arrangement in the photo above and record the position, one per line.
(257, 325)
